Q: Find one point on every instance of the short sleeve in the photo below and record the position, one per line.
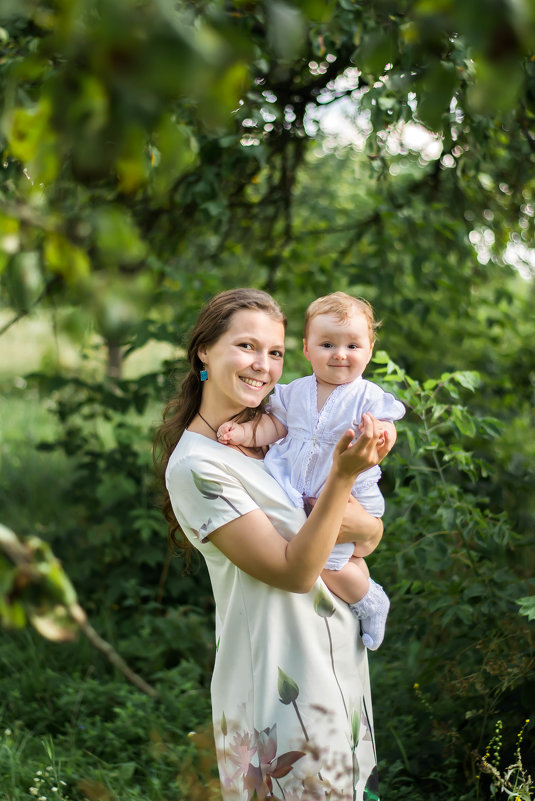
(277, 404)
(206, 495)
(385, 406)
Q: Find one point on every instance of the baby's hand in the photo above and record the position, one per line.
(230, 433)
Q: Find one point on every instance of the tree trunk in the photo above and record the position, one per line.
(115, 358)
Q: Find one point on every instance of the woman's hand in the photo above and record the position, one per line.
(352, 458)
(360, 527)
(386, 424)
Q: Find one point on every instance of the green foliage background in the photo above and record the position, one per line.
(154, 153)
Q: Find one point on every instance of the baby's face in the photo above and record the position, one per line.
(338, 350)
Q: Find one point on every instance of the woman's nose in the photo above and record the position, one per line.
(260, 361)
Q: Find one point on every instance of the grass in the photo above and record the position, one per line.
(69, 724)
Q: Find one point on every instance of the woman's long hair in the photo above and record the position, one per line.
(213, 321)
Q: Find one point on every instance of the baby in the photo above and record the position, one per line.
(304, 421)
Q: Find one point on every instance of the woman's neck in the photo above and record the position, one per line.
(203, 425)
(214, 418)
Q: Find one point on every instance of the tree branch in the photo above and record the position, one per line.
(80, 618)
(23, 312)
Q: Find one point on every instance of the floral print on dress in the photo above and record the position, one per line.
(251, 760)
(211, 490)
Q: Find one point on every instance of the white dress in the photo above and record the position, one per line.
(290, 688)
(301, 461)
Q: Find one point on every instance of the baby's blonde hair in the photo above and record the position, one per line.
(342, 305)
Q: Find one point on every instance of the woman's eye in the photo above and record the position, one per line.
(244, 345)
(277, 353)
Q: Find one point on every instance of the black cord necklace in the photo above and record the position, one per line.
(207, 423)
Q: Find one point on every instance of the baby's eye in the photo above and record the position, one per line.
(326, 345)
(352, 346)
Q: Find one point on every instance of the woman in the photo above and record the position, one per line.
(290, 690)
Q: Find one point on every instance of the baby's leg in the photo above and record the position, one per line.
(372, 611)
(360, 562)
(350, 583)
(367, 599)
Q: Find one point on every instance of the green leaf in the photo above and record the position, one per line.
(463, 420)
(527, 606)
(377, 48)
(438, 411)
(66, 259)
(381, 357)
(468, 379)
(118, 238)
(12, 615)
(438, 86)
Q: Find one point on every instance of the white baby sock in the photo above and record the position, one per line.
(372, 611)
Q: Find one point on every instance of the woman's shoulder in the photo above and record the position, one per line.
(191, 449)
(194, 451)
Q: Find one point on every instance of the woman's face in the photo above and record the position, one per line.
(244, 364)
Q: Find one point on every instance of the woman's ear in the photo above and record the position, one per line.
(201, 353)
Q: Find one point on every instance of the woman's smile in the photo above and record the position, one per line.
(252, 382)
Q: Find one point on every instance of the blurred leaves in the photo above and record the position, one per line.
(34, 588)
(116, 113)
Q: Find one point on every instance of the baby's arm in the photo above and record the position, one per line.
(250, 434)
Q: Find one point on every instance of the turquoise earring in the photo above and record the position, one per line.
(204, 374)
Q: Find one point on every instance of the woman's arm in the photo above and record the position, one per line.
(253, 544)
(360, 527)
